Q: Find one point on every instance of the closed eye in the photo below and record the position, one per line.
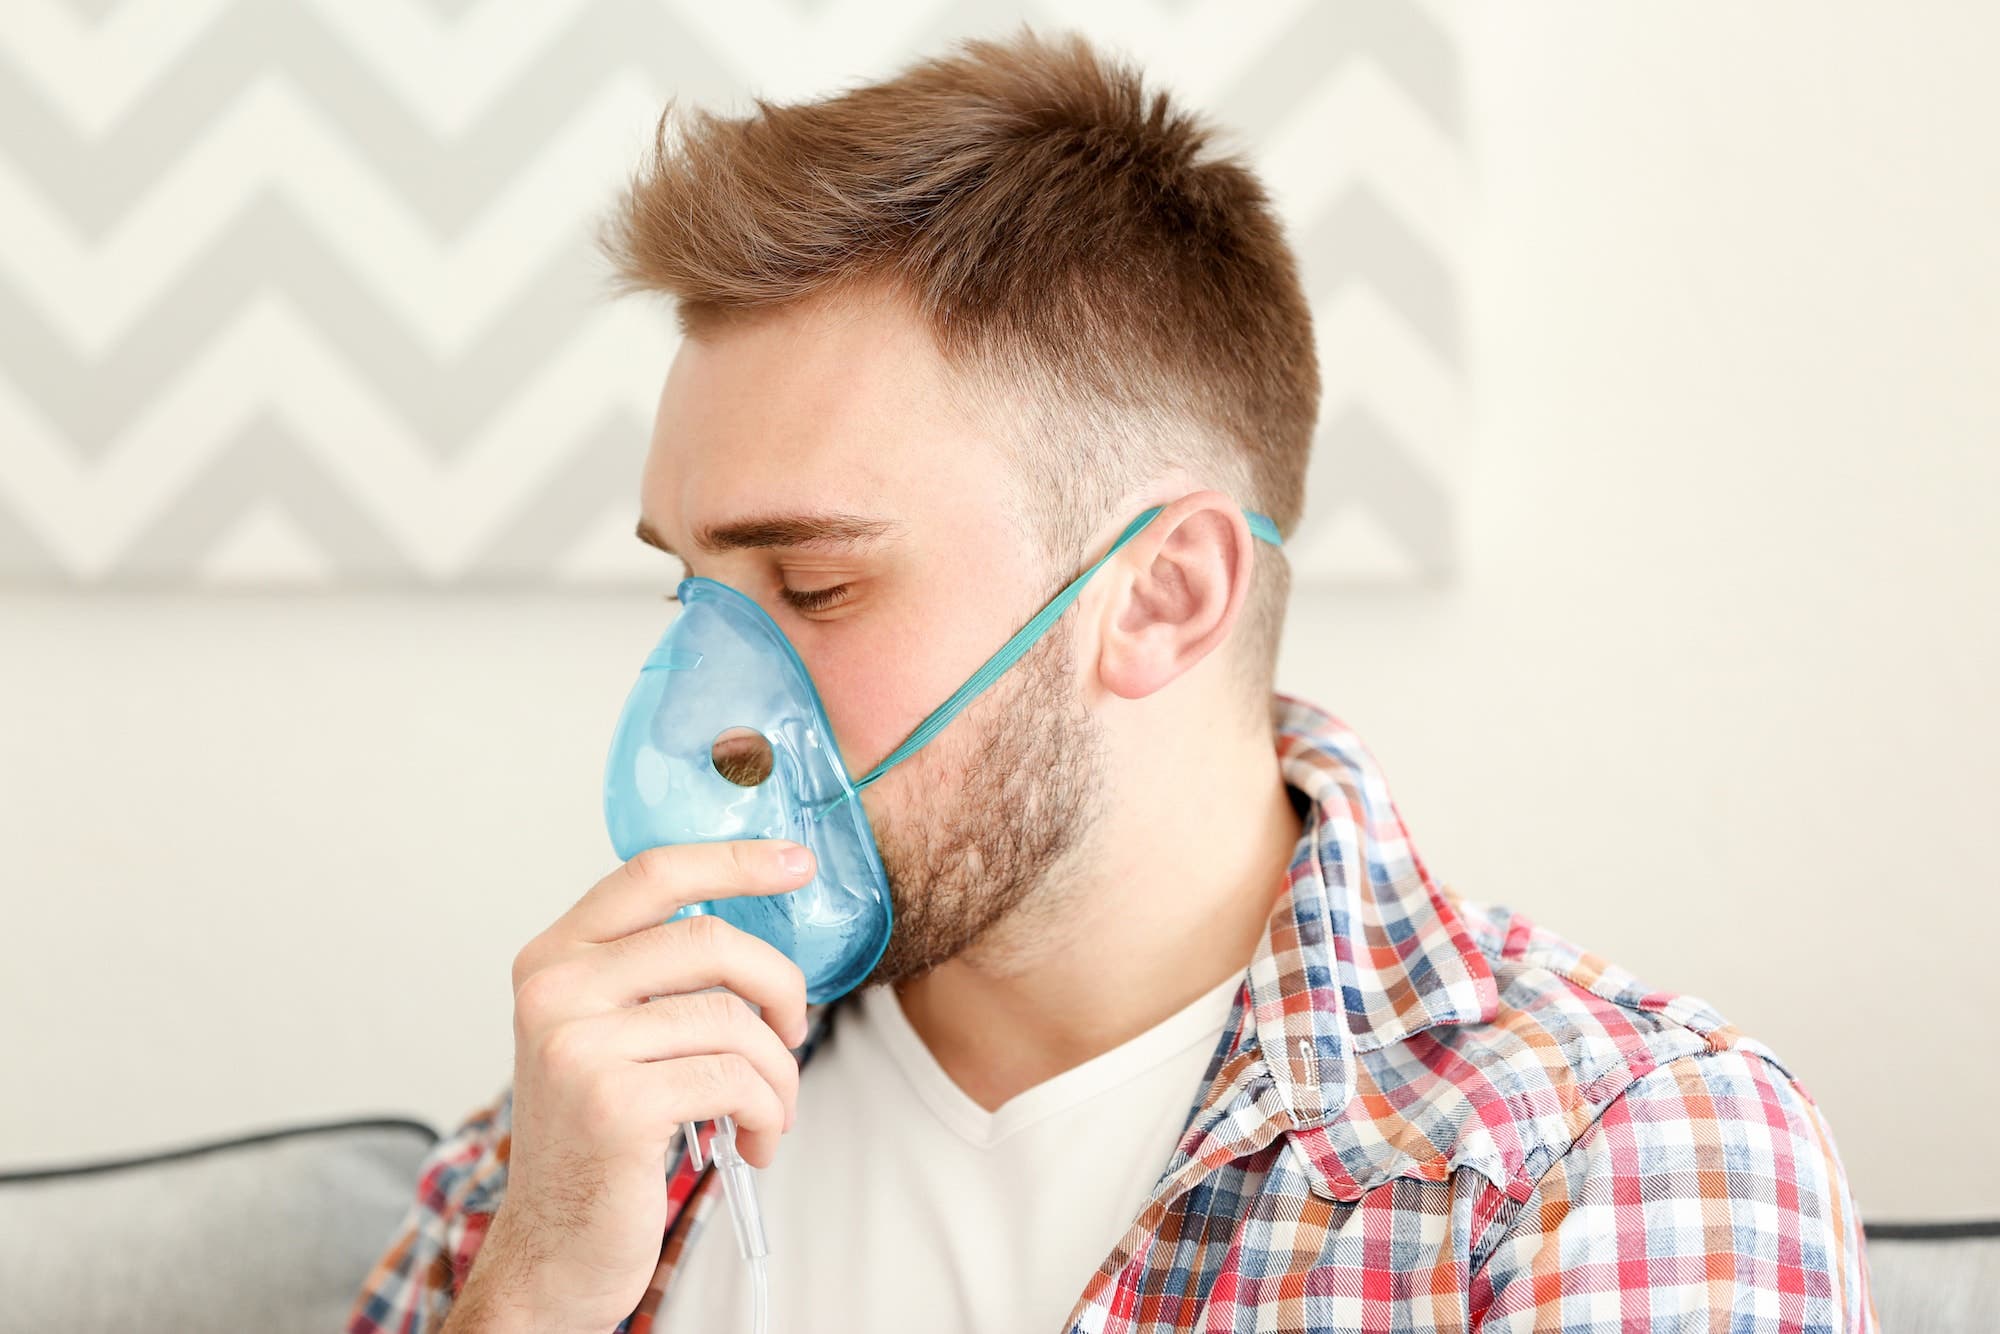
(813, 599)
(805, 599)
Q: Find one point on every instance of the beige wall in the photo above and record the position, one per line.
(1713, 698)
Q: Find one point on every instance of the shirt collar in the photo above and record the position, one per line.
(1364, 949)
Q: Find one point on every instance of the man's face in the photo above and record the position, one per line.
(847, 410)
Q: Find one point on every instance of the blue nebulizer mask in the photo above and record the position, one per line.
(724, 665)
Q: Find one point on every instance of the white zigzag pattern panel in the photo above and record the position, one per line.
(301, 292)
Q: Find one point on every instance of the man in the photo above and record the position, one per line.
(1175, 1030)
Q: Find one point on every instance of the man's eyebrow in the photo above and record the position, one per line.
(779, 530)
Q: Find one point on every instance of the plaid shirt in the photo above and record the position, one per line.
(1425, 1113)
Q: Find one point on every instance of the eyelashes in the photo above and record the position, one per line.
(815, 599)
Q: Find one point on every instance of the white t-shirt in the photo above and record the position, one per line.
(896, 1202)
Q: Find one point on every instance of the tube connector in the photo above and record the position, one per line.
(740, 1185)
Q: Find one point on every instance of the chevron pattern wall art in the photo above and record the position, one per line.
(301, 293)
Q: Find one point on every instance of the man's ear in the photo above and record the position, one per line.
(1175, 593)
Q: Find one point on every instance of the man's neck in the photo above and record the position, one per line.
(1086, 966)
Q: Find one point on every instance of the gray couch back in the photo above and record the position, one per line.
(271, 1232)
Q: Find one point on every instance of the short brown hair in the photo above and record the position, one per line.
(1115, 305)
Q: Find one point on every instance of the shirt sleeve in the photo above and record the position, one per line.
(1707, 1195)
(459, 1186)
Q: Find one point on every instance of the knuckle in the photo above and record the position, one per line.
(703, 1079)
(525, 1030)
(767, 1105)
(736, 1074)
(535, 997)
(648, 864)
(743, 856)
(562, 1051)
(720, 1011)
(702, 933)
(523, 966)
(789, 1075)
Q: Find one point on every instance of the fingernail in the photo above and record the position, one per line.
(795, 859)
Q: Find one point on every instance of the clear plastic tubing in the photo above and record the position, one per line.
(740, 1186)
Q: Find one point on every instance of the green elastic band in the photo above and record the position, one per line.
(1260, 526)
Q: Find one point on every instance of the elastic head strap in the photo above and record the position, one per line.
(1009, 652)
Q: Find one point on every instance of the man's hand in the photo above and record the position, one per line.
(611, 1054)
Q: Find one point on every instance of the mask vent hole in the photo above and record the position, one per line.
(742, 755)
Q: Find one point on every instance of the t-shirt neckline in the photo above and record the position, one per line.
(1201, 1020)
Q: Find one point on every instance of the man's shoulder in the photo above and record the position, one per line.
(1510, 1094)
(1649, 1125)
(1612, 1025)
(466, 1170)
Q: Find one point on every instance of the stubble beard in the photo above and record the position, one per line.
(1004, 809)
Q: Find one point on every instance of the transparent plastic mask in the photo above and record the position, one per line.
(722, 664)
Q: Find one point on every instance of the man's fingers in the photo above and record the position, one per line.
(668, 958)
(701, 1088)
(696, 953)
(705, 1023)
(658, 882)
